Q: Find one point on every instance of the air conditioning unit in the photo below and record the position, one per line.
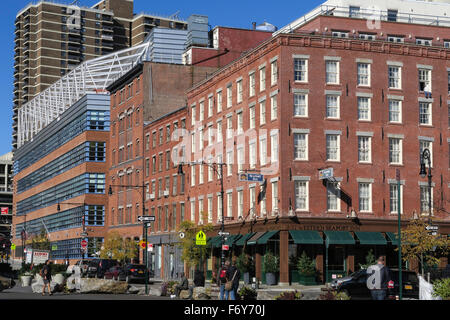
(166, 193)
(152, 196)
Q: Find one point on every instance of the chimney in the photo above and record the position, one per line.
(254, 25)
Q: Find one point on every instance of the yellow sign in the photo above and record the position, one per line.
(200, 238)
(13, 246)
(142, 244)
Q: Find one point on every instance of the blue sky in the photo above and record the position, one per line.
(231, 13)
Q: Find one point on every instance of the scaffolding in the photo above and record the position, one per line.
(91, 76)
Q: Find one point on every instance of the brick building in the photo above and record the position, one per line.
(331, 93)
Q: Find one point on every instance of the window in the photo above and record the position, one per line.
(301, 195)
(229, 96)
(332, 147)
(300, 146)
(167, 160)
(219, 101)
(229, 163)
(166, 218)
(201, 174)
(193, 141)
(252, 204)
(252, 117)
(274, 107)
(200, 211)
(447, 44)
(274, 197)
(365, 197)
(147, 167)
(339, 34)
(168, 133)
(200, 139)
(161, 136)
(229, 127)
(193, 115)
(252, 154)
(274, 147)
(240, 208)
(193, 210)
(210, 135)
(332, 72)
(240, 158)
(219, 131)
(262, 112)
(425, 144)
(182, 212)
(424, 80)
(160, 162)
(193, 178)
(301, 70)
(154, 140)
(395, 111)
(425, 114)
(366, 36)
(210, 106)
(262, 79)
(240, 123)
(239, 91)
(202, 110)
(393, 198)
(229, 204)
(174, 186)
(425, 200)
(424, 42)
(354, 12)
(364, 109)
(396, 39)
(274, 73)
(300, 105)
(219, 207)
(395, 151)
(147, 142)
(395, 77)
(210, 207)
(364, 149)
(332, 106)
(252, 84)
(333, 196)
(263, 150)
(153, 166)
(392, 15)
(262, 198)
(364, 74)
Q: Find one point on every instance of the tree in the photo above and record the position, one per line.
(118, 248)
(370, 260)
(418, 243)
(40, 242)
(193, 254)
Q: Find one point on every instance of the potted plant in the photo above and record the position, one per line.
(25, 275)
(246, 293)
(270, 268)
(306, 269)
(290, 295)
(245, 264)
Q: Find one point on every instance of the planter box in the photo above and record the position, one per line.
(271, 279)
(307, 280)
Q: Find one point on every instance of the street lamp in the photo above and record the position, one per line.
(145, 235)
(215, 167)
(426, 155)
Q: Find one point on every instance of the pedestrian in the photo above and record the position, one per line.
(184, 285)
(378, 276)
(46, 275)
(222, 279)
(233, 275)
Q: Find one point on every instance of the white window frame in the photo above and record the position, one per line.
(426, 144)
(400, 151)
(363, 108)
(363, 78)
(252, 84)
(328, 147)
(275, 196)
(274, 147)
(392, 111)
(301, 104)
(299, 150)
(393, 200)
(395, 77)
(332, 74)
(252, 116)
(239, 90)
(330, 107)
(424, 203)
(301, 68)
(263, 150)
(240, 196)
(262, 112)
(262, 79)
(229, 96)
(369, 195)
(427, 115)
(274, 72)
(252, 154)
(425, 76)
(219, 101)
(274, 107)
(301, 196)
(332, 197)
(362, 151)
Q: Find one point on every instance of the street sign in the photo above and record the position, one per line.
(432, 228)
(146, 218)
(200, 238)
(13, 246)
(150, 247)
(326, 173)
(251, 177)
(142, 244)
(220, 233)
(225, 247)
(84, 244)
(4, 210)
(181, 235)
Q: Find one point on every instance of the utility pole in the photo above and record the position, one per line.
(400, 282)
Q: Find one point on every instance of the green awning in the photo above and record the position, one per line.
(214, 242)
(231, 239)
(393, 237)
(244, 238)
(371, 238)
(266, 237)
(339, 237)
(306, 237)
(254, 238)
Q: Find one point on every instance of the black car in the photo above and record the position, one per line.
(98, 267)
(355, 285)
(134, 272)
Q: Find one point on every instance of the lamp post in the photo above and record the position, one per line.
(145, 227)
(426, 155)
(215, 167)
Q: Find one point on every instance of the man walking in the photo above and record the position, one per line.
(46, 275)
(222, 279)
(233, 274)
(377, 279)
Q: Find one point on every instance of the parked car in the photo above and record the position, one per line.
(98, 267)
(134, 272)
(81, 265)
(355, 285)
(115, 273)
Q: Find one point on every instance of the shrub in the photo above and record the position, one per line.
(270, 263)
(290, 295)
(305, 265)
(244, 263)
(334, 295)
(441, 288)
(247, 293)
